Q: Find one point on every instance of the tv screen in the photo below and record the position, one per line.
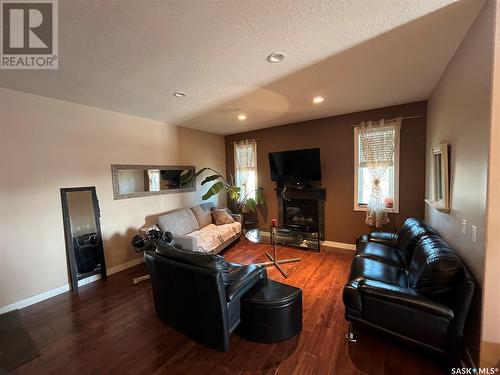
(297, 166)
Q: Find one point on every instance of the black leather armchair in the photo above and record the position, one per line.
(199, 294)
(411, 286)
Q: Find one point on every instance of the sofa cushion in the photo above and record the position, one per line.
(384, 238)
(410, 233)
(434, 266)
(178, 222)
(379, 252)
(226, 231)
(221, 217)
(207, 238)
(203, 214)
(365, 268)
(212, 236)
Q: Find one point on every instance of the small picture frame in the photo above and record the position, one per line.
(440, 178)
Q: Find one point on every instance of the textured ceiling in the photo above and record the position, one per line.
(129, 56)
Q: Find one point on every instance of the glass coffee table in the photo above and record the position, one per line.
(270, 238)
(309, 241)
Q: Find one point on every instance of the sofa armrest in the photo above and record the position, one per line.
(403, 296)
(241, 279)
(238, 218)
(187, 242)
(384, 238)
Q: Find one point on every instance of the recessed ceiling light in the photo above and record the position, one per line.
(276, 57)
(242, 117)
(179, 94)
(318, 100)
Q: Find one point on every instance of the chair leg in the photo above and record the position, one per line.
(350, 335)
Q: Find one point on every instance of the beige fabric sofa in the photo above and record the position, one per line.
(194, 230)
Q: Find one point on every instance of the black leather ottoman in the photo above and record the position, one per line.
(271, 312)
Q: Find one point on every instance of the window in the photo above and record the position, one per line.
(245, 164)
(378, 138)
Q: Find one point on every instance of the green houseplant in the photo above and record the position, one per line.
(245, 204)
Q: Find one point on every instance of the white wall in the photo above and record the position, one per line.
(490, 348)
(459, 112)
(47, 144)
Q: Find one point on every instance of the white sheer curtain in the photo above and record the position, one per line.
(245, 154)
(377, 145)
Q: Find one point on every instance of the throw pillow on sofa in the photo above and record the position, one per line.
(221, 217)
(203, 214)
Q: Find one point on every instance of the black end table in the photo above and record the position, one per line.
(271, 312)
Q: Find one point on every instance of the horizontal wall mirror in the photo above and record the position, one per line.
(132, 181)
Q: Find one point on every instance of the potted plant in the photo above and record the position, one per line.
(245, 204)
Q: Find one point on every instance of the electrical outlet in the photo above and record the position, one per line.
(464, 226)
(474, 233)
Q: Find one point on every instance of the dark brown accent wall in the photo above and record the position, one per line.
(335, 138)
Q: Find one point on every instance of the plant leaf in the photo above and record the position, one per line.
(260, 197)
(210, 178)
(187, 176)
(214, 189)
(234, 192)
(251, 205)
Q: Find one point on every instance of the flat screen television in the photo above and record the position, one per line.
(295, 167)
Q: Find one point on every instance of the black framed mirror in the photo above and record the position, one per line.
(82, 232)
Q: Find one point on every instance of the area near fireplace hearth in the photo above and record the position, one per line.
(337, 220)
(302, 209)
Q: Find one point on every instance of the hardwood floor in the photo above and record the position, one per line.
(111, 328)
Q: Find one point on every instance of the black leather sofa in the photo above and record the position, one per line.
(412, 286)
(199, 294)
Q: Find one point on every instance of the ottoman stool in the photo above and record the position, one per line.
(271, 312)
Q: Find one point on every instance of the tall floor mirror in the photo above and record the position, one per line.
(82, 232)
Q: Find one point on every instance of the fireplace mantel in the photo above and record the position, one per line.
(314, 193)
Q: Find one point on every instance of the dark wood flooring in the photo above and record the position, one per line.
(111, 328)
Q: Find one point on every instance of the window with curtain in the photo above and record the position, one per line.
(245, 165)
(376, 169)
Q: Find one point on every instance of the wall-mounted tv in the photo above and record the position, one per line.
(295, 167)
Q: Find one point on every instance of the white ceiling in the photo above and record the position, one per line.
(129, 56)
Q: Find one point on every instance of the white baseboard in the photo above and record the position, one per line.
(88, 280)
(124, 266)
(35, 299)
(339, 245)
(65, 288)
